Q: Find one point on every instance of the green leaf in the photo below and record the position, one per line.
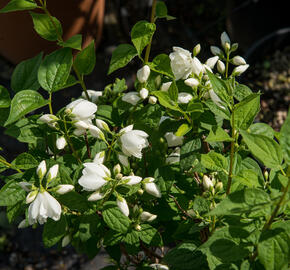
(13, 211)
(161, 10)
(217, 110)
(55, 69)
(114, 218)
(131, 238)
(247, 178)
(184, 257)
(4, 97)
(23, 103)
(54, 231)
(75, 42)
(214, 161)
(254, 201)
(201, 205)
(246, 111)
(11, 193)
(241, 92)
(45, 26)
(165, 100)
(274, 249)
(182, 130)
(189, 153)
(150, 235)
(121, 56)
(263, 129)
(25, 74)
(265, 149)
(141, 35)
(195, 107)
(89, 226)
(15, 5)
(218, 134)
(4, 113)
(74, 201)
(284, 138)
(161, 64)
(173, 91)
(25, 161)
(86, 59)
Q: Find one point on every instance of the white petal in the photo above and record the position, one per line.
(173, 140)
(184, 98)
(124, 160)
(132, 180)
(61, 143)
(63, 189)
(152, 189)
(123, 206)
(132, 98)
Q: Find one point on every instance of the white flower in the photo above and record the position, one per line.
(165, 86)
(240, 69)
(239, 60)
(81, 127)
(215, 50)
(63, 189)
(143, 74)
(151, 187)
(41, 169)
(163, 118)
(123, 206)
(152, 100)
(207, 183)
(94, 176)
(173, 140)
(99, 157)
(181, 63)
(146, 216)
(225, 39)
(191, 82)
(159, 266)
(31, 196)
(132, 98)
(210, 62)
(215, 98)
(44, 206)
(49, 119)
(96, 196)
(174, 157)
(221, 67)
(131, 180)
(96, 132)
(124, 160)
(82, 109)
(133, 141)
(196, 49)
(102, 125)
(197, 66)
(60, 143)
(143, 93)
(93, 95)
(184, 98)
(52, 173)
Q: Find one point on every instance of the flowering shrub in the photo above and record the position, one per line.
(176, 163)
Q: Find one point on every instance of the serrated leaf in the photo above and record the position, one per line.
(44, 26)
(54, 231)
(284, 138)
(141, 35)
(25, 74)
(55, 70)
(11, 193)
(218, 134)
(74, 201)
(217, 110)
(4, 97)
(25, 161)
(263, 129)
(164, 99)
(265, 149)
(114, 218)
(75, 42)
(189, 153)
(246, 111)
(86, 59)
(131, 238)
(173, 92)
(88, 226)
(161, 64)
(24, 102)
(150, 235)
(13, 211)
(121, 56)
(241, 92)
(16, 5)
(214, 161)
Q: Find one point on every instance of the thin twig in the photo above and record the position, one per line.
(87, 144)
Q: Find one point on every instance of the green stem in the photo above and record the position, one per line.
(9, 165)
(153, 12)
(231, 155)
(49, 104)
(227, 64)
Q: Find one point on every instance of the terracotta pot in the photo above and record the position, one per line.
(19, 41)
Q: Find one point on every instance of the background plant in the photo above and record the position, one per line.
(216, 185)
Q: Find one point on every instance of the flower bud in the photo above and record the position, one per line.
(173, 140)
(221, 67)
(23, 224)
(26, 186)
(227, 46)
(215, 50)
(159, 266)
(63, 189)
(146, 216)
(117, 169)
(196, 50)
(210, 62)
(99, 157)
(119, 176)
(138, 228)
(140, 191)
(60, 143)
(225, 39)
(143, 93)
(239, 70)
(219, 186)
(124, 160)
(132, 180)
(151, 187)
(96, 196)
(165, 86)
(123, 206)
(191, 82)
(197, 66)
(49, 119)
(238, 60)
(41, 169)
(266, 175)
(102, 125)
(235, 46)
(152, 100)
(158, 81)
(52, 173)
(31, 196)
(143, 74)
(65, 241)
(207, 183)
(96, 132)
